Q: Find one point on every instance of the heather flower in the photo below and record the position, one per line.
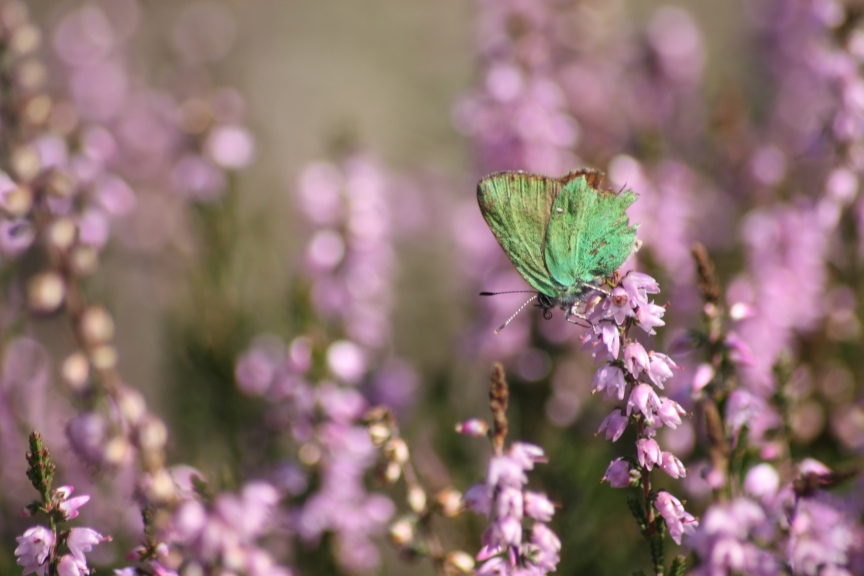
(678, 520)
(614, 425)
(618, 473)
(636, 358)
(660, 368)
(81, 540)
(72, 566)
(648, 452)
(672, 465)
(645, 400)
(603, 340)
(669, 413)
(727, 540)
(620, 305)
(611, 379)
(33, 549)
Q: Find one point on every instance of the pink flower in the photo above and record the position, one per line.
(645, 400)
(603, 340)
(614, 424)
(71, 566)
(639, 285)
(672, 465)
(618, 306)
(660, 368)
(81, 540)
(618, 473)
(670, 413)
(648, 452)
(538, 506)
(678, 520)
(649, 315)
(70, 507)
(611, 379)
(636, 358)
(33, 549)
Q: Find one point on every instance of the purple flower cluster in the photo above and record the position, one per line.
(349, 266)
(323, 420)
(224, 534)
(772, 525)
(503, 498)
(636, 374)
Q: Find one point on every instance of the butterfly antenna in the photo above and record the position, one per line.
(515, 313)
(506, 292)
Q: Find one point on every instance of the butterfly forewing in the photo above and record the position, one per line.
(588, 235)
(517, 207)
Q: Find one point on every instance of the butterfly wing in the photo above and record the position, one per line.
(516, 206)
(588, 235)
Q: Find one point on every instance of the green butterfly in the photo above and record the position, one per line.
(563, 235)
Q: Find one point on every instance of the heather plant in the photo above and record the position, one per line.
(298, 438)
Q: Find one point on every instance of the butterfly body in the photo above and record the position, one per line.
(563, 235)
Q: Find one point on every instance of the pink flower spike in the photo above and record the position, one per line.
(618, 474)
(648, 452)
(672, 465)
(81, 540)
(70, 507)
(614, 425)
(638, 285)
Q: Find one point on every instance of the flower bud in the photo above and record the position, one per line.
(104, 357)
(25, 39)
(391, 473)
(396, 450)
(473, 427)
(457, 563)
(61, 233)
(416, 498)
(15, 200)
(60, 184)
(152, 434)
(401, 531)
(84, 260)
(379, 432)
(117, 451)
(97, 327)
(76, 371)
(37, 110)
(132, 405)
(46, 291)
(449, 502)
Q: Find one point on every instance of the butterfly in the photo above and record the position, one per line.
(563, 235)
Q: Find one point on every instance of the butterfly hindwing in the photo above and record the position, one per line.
(588, 235)
(517, 206)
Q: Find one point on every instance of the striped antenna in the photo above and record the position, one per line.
(534, 297)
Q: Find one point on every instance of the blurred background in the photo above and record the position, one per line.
(299, 190)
